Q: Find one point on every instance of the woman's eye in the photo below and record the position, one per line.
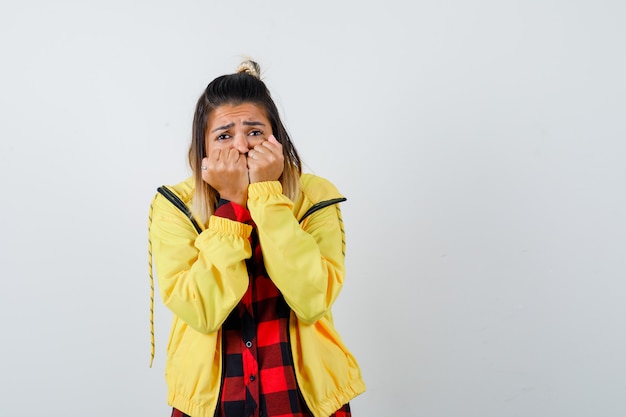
(256, 133)
(223, 136)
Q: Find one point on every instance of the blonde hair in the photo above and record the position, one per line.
(244, 86)
(250, 67)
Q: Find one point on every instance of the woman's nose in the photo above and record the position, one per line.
(241, 143)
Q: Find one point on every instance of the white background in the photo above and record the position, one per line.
(481, 145)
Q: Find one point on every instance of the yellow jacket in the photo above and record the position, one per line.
(202, 277)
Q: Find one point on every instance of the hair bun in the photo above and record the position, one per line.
(250, 67)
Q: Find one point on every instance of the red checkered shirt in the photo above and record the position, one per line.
(258, 377)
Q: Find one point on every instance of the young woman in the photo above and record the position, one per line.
(249, 255)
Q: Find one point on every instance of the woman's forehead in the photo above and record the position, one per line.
(237, 113)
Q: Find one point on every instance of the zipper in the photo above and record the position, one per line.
(178, 203)
(318, 206)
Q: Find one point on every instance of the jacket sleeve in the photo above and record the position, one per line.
(306, 262)
(201, 278)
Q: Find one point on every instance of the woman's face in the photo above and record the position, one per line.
(241, 127)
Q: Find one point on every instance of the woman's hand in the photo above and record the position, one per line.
(266, 161)
(227, 172)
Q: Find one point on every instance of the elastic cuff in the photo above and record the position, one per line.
(264, 189)
(228, 226)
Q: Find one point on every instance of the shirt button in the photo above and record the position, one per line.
(248, 344)
(252, 377)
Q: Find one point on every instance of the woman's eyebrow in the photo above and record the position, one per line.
(228, 126)
(245, 123)
(253, 123)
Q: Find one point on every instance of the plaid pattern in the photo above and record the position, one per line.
(259, 378)
(343, 412)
